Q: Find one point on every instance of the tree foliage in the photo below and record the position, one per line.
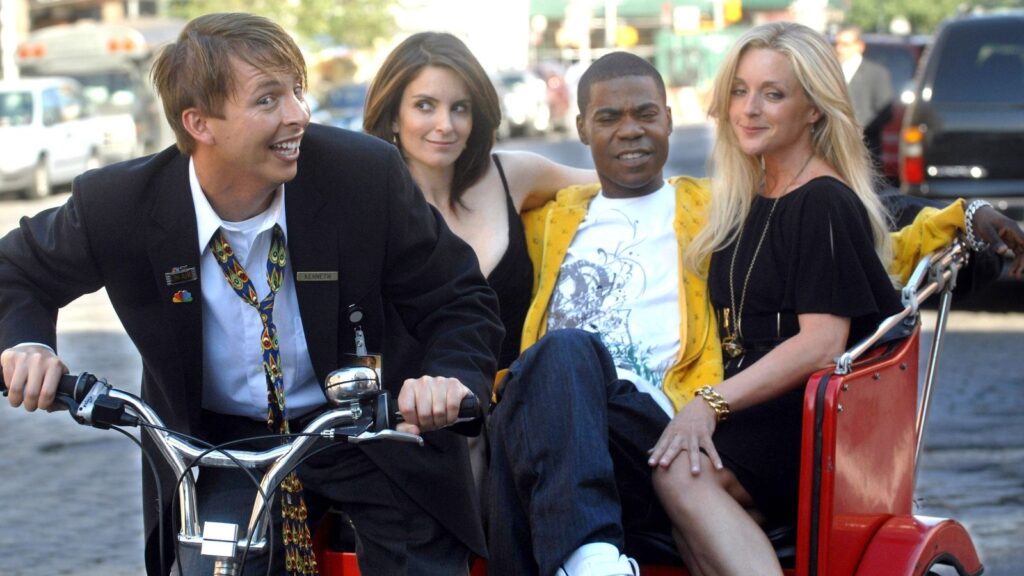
(924, 15)
(353, 23)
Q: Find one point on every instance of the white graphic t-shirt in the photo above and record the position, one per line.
(620, 279)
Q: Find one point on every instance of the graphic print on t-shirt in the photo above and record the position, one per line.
(620, 280)
(598, 297)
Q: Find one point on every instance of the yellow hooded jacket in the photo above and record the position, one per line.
(551, 228)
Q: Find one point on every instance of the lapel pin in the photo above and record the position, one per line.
(180, 275)
(181, 296)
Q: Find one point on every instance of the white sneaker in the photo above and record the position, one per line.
(624, 566)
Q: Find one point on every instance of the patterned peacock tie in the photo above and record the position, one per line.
(299, 559)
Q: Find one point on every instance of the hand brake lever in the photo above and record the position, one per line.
(362, 431)
(394, 435)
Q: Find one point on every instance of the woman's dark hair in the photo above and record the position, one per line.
(403, 65)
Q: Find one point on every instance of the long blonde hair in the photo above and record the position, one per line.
(836, 138)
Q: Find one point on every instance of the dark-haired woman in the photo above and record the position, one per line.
(433, 99)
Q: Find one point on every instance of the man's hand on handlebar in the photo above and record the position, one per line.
(430, 403)
(31, 374)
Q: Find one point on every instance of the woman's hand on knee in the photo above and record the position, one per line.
(690, 432)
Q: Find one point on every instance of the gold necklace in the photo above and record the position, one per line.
(732, 344)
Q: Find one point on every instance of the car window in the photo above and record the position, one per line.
(346, 96)
(71, 103)
(511, 79)
(108, 92)
(51, 107)
(15, 108)
(898, 60)
(980, 64)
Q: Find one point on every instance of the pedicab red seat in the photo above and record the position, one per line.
(857, 474)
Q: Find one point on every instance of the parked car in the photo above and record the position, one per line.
(899, 55)
(46, 136)
(524, 103)
(342, 106)
(963, 134)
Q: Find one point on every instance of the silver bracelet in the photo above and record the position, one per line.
(973, 242)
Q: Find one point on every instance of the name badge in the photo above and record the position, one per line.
(180, 275)
(326, 276)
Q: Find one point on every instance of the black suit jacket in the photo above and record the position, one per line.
(352, 209)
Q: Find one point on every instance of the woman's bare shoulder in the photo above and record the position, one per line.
(534, 179)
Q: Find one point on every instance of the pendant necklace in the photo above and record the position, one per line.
(732, 344)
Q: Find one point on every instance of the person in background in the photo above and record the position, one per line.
(869, 85)
(324, 219)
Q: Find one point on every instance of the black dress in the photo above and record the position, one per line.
(817, 257)
(512, 279)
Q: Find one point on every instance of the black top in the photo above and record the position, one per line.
(817, 257)
(512, 279)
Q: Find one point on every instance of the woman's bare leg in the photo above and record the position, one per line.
(709, 513)
(686, 554)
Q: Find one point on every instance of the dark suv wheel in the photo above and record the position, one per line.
(963, 135)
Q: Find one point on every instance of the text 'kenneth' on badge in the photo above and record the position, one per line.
(180, 275)
(327, 276)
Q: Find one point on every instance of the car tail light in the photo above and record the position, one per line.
(912, 155)
(29, 51)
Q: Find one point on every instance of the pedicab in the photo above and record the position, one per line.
(863, 423)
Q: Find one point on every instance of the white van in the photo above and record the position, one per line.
(46, 137)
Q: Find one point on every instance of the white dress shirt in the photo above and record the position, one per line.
(234, 381)
(850, 66)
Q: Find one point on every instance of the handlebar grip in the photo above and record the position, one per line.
(470, 409)
(76, 386)
(71, 389)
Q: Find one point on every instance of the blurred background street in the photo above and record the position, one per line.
(74, 94)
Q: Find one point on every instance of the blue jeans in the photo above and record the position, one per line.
(568, 466)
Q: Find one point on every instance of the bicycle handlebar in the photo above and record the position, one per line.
(78, 394)
(74, 389)
(67, 384)
(364, 418)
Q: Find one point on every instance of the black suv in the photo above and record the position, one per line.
(963, 135)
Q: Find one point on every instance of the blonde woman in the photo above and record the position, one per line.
(798, 252)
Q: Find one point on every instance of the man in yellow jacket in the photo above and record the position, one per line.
(619, 335)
